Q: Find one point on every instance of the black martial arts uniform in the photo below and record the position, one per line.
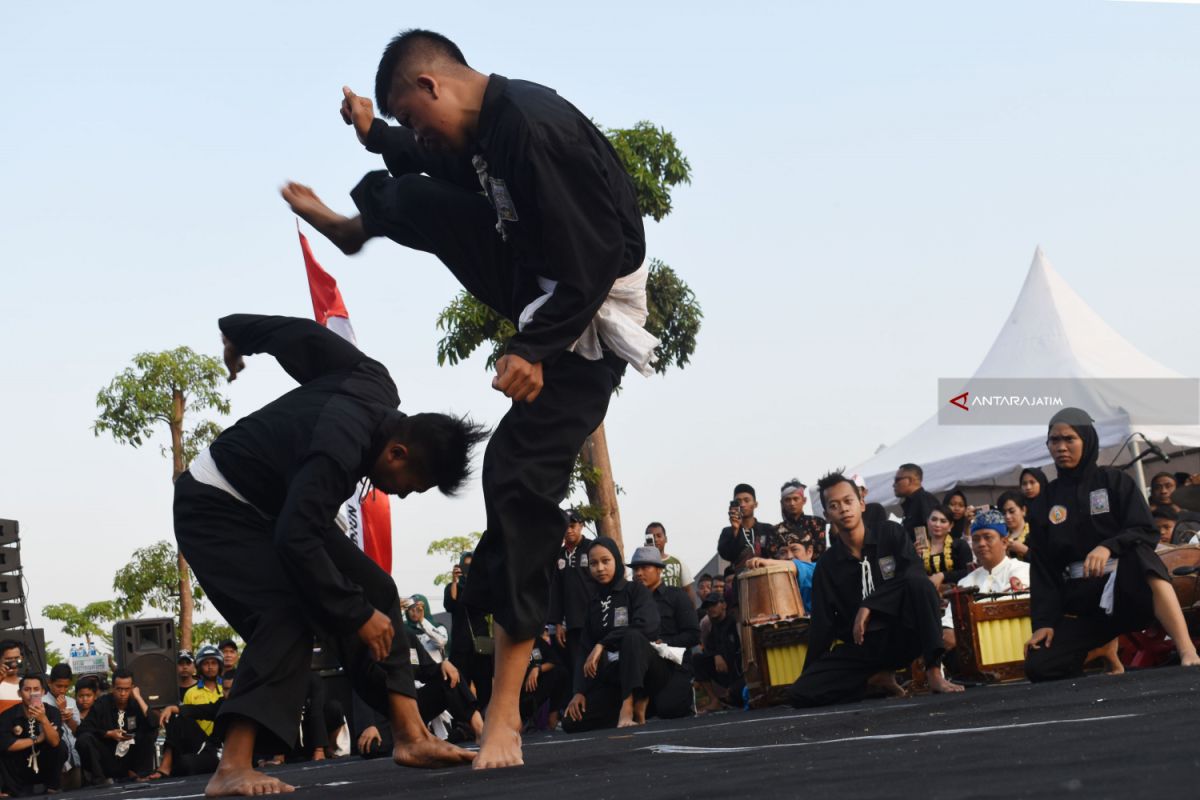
(917, 507)
(905, 619)
(571, 590)
(476, 668)
(1084, 508)
(18, 775)
(552, 682)
(558, 206)
(678, 627)
(724, 640)
(761, 541)
(623, 619)
(194, 751)
(278, 567)
(98, 753)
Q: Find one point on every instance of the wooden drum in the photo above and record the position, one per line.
(1187, 587)
(991, 632)
(768, 594)
(774, 631)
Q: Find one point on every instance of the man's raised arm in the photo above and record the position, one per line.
(303, 347)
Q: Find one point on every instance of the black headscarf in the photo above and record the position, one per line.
(1038, 476)
(1081, 421)
(619, 567)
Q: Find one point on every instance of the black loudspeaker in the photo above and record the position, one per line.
(147, 648)
(12, 615)
(9, 530)
(10, 558)
(10, 588)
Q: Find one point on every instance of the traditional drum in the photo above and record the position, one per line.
(774, 631)
(1187, 586)
(991, 632)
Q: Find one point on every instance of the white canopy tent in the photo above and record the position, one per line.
(1051, 333)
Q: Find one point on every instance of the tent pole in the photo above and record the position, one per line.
(1139, 474)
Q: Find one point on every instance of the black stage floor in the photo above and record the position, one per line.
(1136, 735)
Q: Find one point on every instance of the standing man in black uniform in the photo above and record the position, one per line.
(871, 596)
(1094, 573)
(571, 590)
(255, 517)
(916, 503)
(555, 235)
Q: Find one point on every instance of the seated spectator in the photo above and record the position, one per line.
(718, 667)
(571, 589)
(873, 607)
(1162, 487)
(1015, 508)
(87, 689)
(944, 558)
(960, 519)
(677, 629)
(915, 501)
(1165, 520)
(718, 585)
(799, 560)
(60, 687)
(746, 537)
(229, 656)
(444, 688)
(546, 681)
(32, 751)
(115, 739)
(675, 573)
(12, 660)
(704, 585)
(614, 684)
(185, 670)
(997, 572)
(1032, 483)
(433, 637)
(190, 747)
(793, 495)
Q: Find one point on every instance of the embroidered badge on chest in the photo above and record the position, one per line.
(620, 617)
(1098, 502)
(412, 656)
(562, 563)
(505, 209)
(583, 562)
(1058, 515)
(887, 567)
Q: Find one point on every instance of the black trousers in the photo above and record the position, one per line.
(194, 752)
(528, 462)
(840, 676)
(99, 756)
(437, 696)
(639, 672)
(18, 779)
(476, 669)
(552, 686)
(230, 548)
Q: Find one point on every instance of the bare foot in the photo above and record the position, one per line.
(885, 683)
(938, 683)
(1112, 663)
(346, 234)
(500, 745)
(639, 710)
(244, 783)
(1189, 659)
(430, 752)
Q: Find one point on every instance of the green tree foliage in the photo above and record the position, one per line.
(54, 657)
(654, 162)
(93, 621)
(452, 548)
(212, 632)
(151, 578)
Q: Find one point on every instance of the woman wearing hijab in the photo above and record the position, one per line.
(418, 620)
(1094, 571)
(1032, 483)
(610, 685)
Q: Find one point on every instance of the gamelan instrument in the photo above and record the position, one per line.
(774, 628)
(990, 631)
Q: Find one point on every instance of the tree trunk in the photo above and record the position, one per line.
(604, 493)
(185, 580)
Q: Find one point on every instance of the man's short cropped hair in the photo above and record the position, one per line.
(912, 469)
(60, 671)
(34, 676)
(833, 478)
(89, 682)
(441, 445)
(122, 672)
(654, 525)
(9, 644)
(412, 43)
(1165, 512)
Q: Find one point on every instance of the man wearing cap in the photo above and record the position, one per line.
(678, 628)
(720, 662)
(185, 667)
(571, 590)
(793, 496)
(747, 537)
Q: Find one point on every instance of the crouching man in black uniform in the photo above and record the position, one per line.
(678, 629)
(255, 517)
(32, 750)
(871, 597)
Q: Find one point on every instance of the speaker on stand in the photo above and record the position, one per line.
(147, 648)
(14, 613)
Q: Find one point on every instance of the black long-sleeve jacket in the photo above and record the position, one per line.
(677, 622)
(103, 718)
(571, 588)
(1104, 509)
(564, 202)
(299, 457)
(614, 609)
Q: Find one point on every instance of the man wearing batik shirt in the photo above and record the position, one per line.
(792, 497)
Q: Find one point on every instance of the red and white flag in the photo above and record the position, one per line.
(369, 522)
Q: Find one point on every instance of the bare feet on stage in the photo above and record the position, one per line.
(639, 710)
(500, 745)
(938, 683)
(345, 232)
(244, 782)
(1192, 660)
(885, 684)
(628, 717)
(1112, 664)
(430, 752)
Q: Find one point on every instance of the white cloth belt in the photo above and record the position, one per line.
(204, 469)
(1107, 596)
(868, 582)
(620, 322)
(665, 651)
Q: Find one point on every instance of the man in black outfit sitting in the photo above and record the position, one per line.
(677, 628)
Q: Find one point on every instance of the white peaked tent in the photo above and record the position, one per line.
(1051, 333)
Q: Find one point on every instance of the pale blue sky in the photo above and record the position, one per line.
(870, 181)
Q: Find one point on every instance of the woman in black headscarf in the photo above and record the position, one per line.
(622, 619)
(1033, 483)
(1095, 574)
